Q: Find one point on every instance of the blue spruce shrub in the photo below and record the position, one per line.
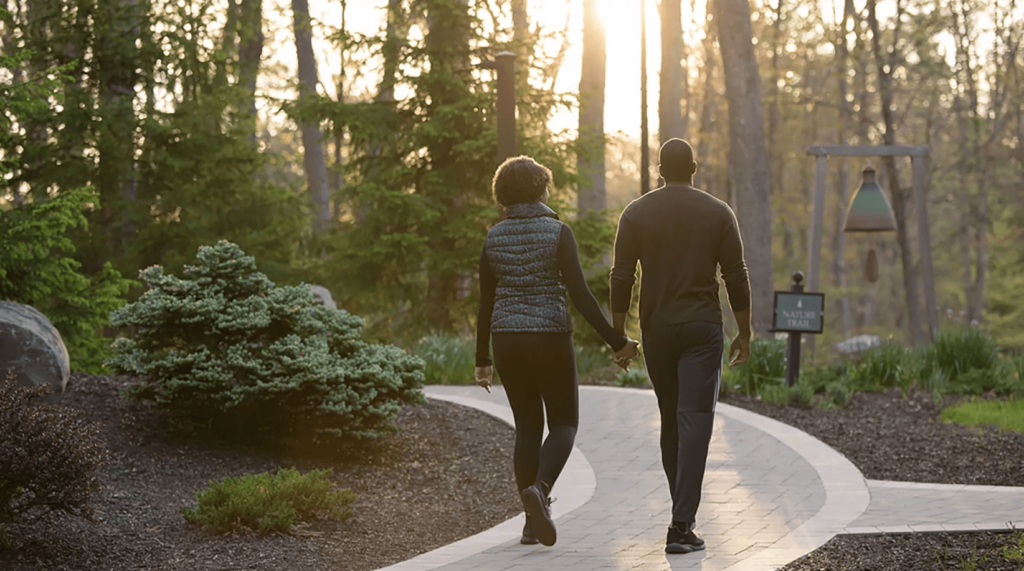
(225, 344)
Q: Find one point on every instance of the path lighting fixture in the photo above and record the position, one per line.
(870, 211)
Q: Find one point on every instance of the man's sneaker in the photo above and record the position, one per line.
(681, 539)
(538, 509)
(528, 537)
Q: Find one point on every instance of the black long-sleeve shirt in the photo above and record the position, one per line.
(575, 282)
(680, 235)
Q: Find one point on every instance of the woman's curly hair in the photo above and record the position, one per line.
(520, 180)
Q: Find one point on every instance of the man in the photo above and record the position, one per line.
(681, 236)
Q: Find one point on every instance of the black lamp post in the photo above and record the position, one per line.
(504, 64)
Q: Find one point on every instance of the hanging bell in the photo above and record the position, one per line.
(871, 266)
(869, 211)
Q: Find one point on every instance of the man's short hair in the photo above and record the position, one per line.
(675, 161)
(520, 180)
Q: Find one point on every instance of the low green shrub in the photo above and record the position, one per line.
(634, 377)
(226, 346)
(819, 378)
(955, 353)
(1017, 366)
(589, 359)
(48, 455)
(448, 359)
(766, 366)
(881, 368)
(800, 394)
(837, 393)
(265, 502)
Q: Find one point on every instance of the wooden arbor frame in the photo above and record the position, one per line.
(917, 156)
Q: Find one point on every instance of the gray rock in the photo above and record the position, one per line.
(323, 295)
(32, 347)
(855, 345)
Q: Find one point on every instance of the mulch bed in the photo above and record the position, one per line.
(916, 552)
(889, 437)
(446, 475)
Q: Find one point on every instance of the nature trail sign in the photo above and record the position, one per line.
(799, 312)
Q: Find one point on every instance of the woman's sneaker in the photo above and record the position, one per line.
(528, 537)
(681, 539)
(538, 509)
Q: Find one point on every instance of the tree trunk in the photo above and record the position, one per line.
(392, 44)
(590, 146)
(116, 55)
(645, 135)
(521, 36)
(774, 149)
(708, 108)
(964, 198)
(843, 174)
(748, 153)
(447, 47)
(228, 43)
(312, 138)
(981, 240)
(885, 65)
(36, 38)
(250, 52)
(8, 44)
(338, 170)
(672, 79)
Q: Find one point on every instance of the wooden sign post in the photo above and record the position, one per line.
(797, 312)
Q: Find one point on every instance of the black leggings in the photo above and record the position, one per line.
(538, 371)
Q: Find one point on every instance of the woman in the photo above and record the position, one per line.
(527, 264)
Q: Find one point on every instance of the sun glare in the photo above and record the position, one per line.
(607, 14)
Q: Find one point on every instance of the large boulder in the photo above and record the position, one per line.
(323, 295)
(31, 346)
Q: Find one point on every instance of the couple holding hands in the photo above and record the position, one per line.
(681, 236)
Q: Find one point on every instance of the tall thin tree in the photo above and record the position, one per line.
(250, 54)
(312, 137)
(748, 152)
(337, 168)
(645, 136)
(672, 79)
(885, 62)
(590, 148)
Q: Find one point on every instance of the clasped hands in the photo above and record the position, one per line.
(623, 357)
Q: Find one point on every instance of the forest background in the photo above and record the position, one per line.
(351, 144)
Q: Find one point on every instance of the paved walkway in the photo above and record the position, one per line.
(771, 494)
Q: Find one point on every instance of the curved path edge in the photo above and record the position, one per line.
(578, 474)
(846, 491)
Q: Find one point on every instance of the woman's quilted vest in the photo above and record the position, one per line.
(522, 251)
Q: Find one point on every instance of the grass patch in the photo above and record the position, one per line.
(1008, 415)
(449, 359)
(265, 502)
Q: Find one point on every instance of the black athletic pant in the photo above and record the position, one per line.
(538, 371)
(684, 362)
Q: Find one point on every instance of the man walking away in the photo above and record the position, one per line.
(682, 236)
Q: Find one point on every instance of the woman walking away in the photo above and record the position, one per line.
(528, 262)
